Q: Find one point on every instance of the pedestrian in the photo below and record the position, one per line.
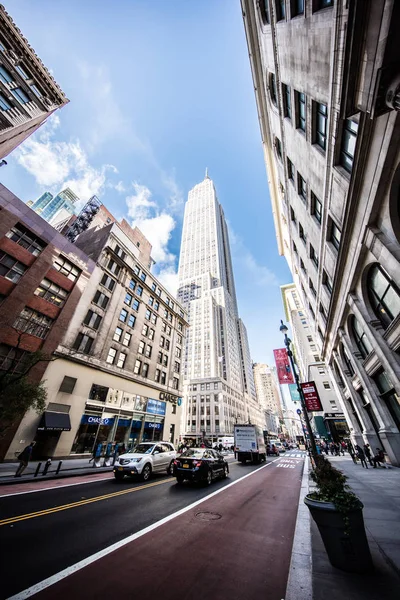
(367, 452)
(379, 457)
(24, 459)
(343, 446)
(361, 456)
(220, 447)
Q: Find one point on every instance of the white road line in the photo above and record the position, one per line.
(38, 587)
(56, 487)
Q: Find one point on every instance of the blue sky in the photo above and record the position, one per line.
(158, 91)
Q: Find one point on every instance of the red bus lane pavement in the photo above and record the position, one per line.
(235, 544)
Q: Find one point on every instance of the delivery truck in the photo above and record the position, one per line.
(249, 443)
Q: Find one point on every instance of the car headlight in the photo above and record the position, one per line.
(136, 460)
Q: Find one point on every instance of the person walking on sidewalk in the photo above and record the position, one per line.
(379, 457)
(367, 452)
(343, 447)
(350, 450)
(24, 459)
(361, 456)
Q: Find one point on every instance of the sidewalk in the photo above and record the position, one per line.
(69, 467)
(379, 491)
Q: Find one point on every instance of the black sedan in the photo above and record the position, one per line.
(200, 464)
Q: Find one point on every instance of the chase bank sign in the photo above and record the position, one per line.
(170, 398)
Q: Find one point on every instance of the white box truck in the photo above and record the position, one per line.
(249, 443)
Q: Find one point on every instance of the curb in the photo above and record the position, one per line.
(76, 473)
(299, 585)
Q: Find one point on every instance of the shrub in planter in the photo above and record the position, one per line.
(338, 514)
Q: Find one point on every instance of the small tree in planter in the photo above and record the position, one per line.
(338, 514)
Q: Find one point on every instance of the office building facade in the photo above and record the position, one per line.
(326, 79)
(217, 379)
(56, 209)
(28, 92)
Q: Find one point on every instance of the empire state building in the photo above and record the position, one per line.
(219, 386)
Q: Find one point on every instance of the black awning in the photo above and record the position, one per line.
(52, 421)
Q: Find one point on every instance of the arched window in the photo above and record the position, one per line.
(272, 88)
(384, 295)
(360, 338)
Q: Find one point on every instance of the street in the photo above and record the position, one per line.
(56, 528)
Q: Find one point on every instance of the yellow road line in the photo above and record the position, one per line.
(49, 511)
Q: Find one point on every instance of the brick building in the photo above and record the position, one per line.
(42, 276)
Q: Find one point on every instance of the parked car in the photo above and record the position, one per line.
(272, 450)
(200, 464)
(146, 458)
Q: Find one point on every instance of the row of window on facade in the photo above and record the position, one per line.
(19, 94)
(319, 125)
(296, 9)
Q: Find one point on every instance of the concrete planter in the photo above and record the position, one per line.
(346, 552)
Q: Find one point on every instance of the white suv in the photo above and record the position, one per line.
(146, 458)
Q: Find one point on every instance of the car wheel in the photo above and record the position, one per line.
(119, 476)
(146, 473)
(209, 478)
(170, 470)
(225, 475)
(179, 479)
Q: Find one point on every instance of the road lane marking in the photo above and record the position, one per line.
(49, 511)
(55, 487)
(42, 585)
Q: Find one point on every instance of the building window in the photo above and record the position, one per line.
(384, 295)
(278, 147)
(92, 320)
(145, 370)
(327, 282)
(287, 104)
(119, 252)
(67, 385)
(151, 334)
(272, 88)
(361, 339)
(20, 95)
(302, 267)
(121, 360)
(175, 386)
(302, 187)
(324, 4)
(163, 377)
(33, 322)
(290, 170)
(153, 286)
(66, 268)
(137, 367)
(165, 360)
(135, 305)
(312, 288)
(100, 299)
(302, 235)
(348, 362)
(5, 76)
(316, 207)
(388, 395)
(159, 357)
(128, 299)
(132, 284)
(280, 10)
(117, 334)
(22, 236)
(294, 248)
(143, 276)
(148, 314)
(141, 347)
(297, 7)
(156, 305)
(153, 319)
(178, 352)
(131, 320)
(123, 315)
(4, 105)
(10, 268)
(301, 110)
(36, 90)
(334, 235)
(311, 311)
(321, 120)
(139, 290)
(112, 353)
(127, 339)
(108, 282)
(322, 311)
(145, 330)
(348, 146)
(292, 215)
(113, 267)
(13, 360)
(83, 343)
(148, 350)
(264, 10)
(150, 301)
(314, 256)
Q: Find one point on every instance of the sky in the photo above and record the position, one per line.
(158, 92)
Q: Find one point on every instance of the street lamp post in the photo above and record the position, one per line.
(283, 329)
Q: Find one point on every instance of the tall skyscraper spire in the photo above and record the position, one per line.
(214, 364)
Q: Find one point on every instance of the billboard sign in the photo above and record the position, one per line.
(282, 366)
(311, 396)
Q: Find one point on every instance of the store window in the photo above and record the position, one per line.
(388, 395)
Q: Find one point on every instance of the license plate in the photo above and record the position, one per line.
(120, 468)
(185, 466)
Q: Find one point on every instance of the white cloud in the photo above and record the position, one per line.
(55, 164)
(120, 187)
(169, 278)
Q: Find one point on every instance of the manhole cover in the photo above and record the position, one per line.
(208, 516)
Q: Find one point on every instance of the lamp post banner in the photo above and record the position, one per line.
(294, 392)
(311, 396)
(285, 374)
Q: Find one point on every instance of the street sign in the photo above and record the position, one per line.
(311, 396)
(294, 392)
(282, 366)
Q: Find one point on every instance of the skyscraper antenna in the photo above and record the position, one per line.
(207, 177)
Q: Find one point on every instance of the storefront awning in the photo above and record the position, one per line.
(52, 421)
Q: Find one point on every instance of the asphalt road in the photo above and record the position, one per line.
(44, 532)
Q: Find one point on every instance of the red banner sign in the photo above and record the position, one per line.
(282, 366)
(311, 396)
